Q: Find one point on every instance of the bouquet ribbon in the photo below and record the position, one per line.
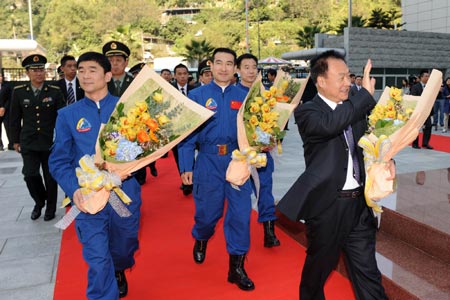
(376, 186)
(253, 158)
(98, 187)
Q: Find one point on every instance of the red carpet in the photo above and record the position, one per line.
(439, 142)
(165, 269)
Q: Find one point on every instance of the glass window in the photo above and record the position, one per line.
(396, 71)
(379, 84)
(377, 71)
(390, 81)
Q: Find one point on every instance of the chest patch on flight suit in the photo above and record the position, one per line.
(83, 125)
(211, 104)
(235, 104)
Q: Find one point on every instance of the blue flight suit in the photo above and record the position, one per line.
(210, 186)
(109, 241)
(266, 201)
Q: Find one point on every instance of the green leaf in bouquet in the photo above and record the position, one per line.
(386, 130)
(383, 123)
(292, 89)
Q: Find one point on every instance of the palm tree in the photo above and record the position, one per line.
(198, 50)
(379, 19)
(357, 21)
(305, 36)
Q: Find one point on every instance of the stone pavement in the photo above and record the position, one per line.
(29, 249)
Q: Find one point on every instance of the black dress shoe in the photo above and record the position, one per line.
(49, 217)
(153, 171)
(187, 189)
(427, 147)
(122, 283)
(415, 147)
(200, 251)
(36, 213)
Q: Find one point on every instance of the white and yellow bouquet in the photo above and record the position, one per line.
(393, 124)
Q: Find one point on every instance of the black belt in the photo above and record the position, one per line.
(355, 193)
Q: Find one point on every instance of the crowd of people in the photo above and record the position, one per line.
(53, 125)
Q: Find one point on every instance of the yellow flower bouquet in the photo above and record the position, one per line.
(150, 118)
(393, 124)
(139, 131)
(260, 121)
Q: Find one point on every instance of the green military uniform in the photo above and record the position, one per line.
(32, 121)
(125, 84)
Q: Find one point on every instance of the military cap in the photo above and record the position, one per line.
(203, 67)
(34, 61)
(116, 48)
(136, 68)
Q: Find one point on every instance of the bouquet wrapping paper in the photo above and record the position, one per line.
(250, 154)
(379, 150)
(173, 117)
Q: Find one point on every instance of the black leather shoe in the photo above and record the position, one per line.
(427, 147)
(187, 189)
(49, 217)
(122, 283)
(36, 213)
(153, 171)
(200, 251)
(415, 147)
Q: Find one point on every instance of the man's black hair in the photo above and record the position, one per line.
(319, 64)
(66, 58)
(245, 56)
(165, 70)
(422, 72)
(98, 58)
(224, 50)
(272, 72)
(179, 66)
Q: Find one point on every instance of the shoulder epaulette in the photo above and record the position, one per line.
(20, 86)
(54, 86)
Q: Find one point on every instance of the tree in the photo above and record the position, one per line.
(198, 50)
(357, 21)
(305, 36)
(131, 37)
(174, 28)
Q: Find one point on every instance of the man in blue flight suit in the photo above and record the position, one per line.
(109, 241)
(216, 139)
(247, 65)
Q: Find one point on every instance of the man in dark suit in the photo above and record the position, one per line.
(181, 74)
(69, 84)
(32, 118)
(417, 90)
(329, 195)
(357, 86)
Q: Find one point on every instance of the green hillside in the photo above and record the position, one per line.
(75, 26)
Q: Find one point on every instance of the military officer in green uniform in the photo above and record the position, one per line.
(118, 54)
(33, 114)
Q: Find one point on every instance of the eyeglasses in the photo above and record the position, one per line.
(37, 70)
